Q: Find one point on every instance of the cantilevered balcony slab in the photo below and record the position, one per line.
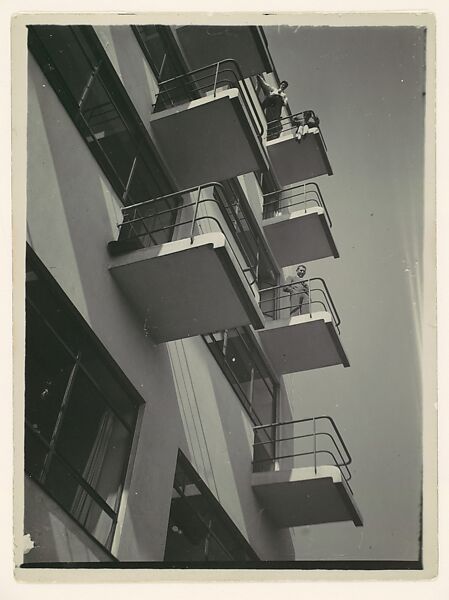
(294, 161)
(299, 496)
(303, 342)
(300, 236)
(209, 139)
(179, 289)
(204, 45)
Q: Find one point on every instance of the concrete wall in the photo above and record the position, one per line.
(54, 535)
(125, 54)
(72, 212)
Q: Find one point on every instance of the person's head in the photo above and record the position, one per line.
(301, 271)
(283, 85)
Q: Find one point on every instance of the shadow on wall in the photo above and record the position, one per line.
(90, 207)
(134, 75)
(55, 536)
(278, 541)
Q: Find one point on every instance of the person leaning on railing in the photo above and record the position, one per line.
(275, 99)
(307, 123)
(299, 292)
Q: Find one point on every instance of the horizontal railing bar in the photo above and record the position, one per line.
(294, 124)
(343, 463)
(311, 453)
(240, 83)
(325, 292)
(308, 420)
(342, 467)
(294, 187)
(237, 229)
(308, 435)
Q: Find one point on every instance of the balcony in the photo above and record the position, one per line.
(302, 478)
(185, 263)
(297, 225)
(207, 125)
(302, 329)
(294, 161)
(247, 45)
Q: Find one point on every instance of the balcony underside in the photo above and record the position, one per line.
(209, 139)
(181, 290)
(294, 162)
(205, 45)
(300, 236)
(298, 497)
(302, 343)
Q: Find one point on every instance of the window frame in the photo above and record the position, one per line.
(217, 510)
(137, 402)
(246, 402)
(145, 149)
(170, 47)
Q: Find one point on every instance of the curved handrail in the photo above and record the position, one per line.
(292, 120)
(250, 260)
(326, 294)
(239, 82)
(343, 465)
(315, 189)
(223, 205)
(310, 419)
(344, 462)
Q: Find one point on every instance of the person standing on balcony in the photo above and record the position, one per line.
(275, 99)
(307, 123)
(299, 292)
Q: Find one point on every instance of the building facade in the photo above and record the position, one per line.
(164, 200)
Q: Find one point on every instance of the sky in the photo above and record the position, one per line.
(367, 85)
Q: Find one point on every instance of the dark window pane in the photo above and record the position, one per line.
(111, 387)
(199, 529)
(64, 487)
(67, 57)
(93, 440)
(160, 61)
(35, 454)
(52, 310)
(47, 369)
(109, 130)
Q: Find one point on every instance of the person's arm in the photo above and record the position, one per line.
(288, 288)
(267, 88)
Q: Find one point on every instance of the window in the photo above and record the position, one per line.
(78, 69)
(160, 50)
(199, 529)
(80, 411)
(240, 359)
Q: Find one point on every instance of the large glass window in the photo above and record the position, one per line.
(199, 529)
(80, 412)
(80, 72)
(239, 356)
(160, 50)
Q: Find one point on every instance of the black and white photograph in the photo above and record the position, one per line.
(227, 282)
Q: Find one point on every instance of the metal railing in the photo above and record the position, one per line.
(290, 123)
(302, 195)
(311, 442)
(157, 220)
(206, 81)
(312, 296)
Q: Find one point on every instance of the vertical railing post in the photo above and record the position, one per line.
(310, 298)
(216, 79)
(128, 183)
(195, 213)
(314, 444)
(305, 198)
